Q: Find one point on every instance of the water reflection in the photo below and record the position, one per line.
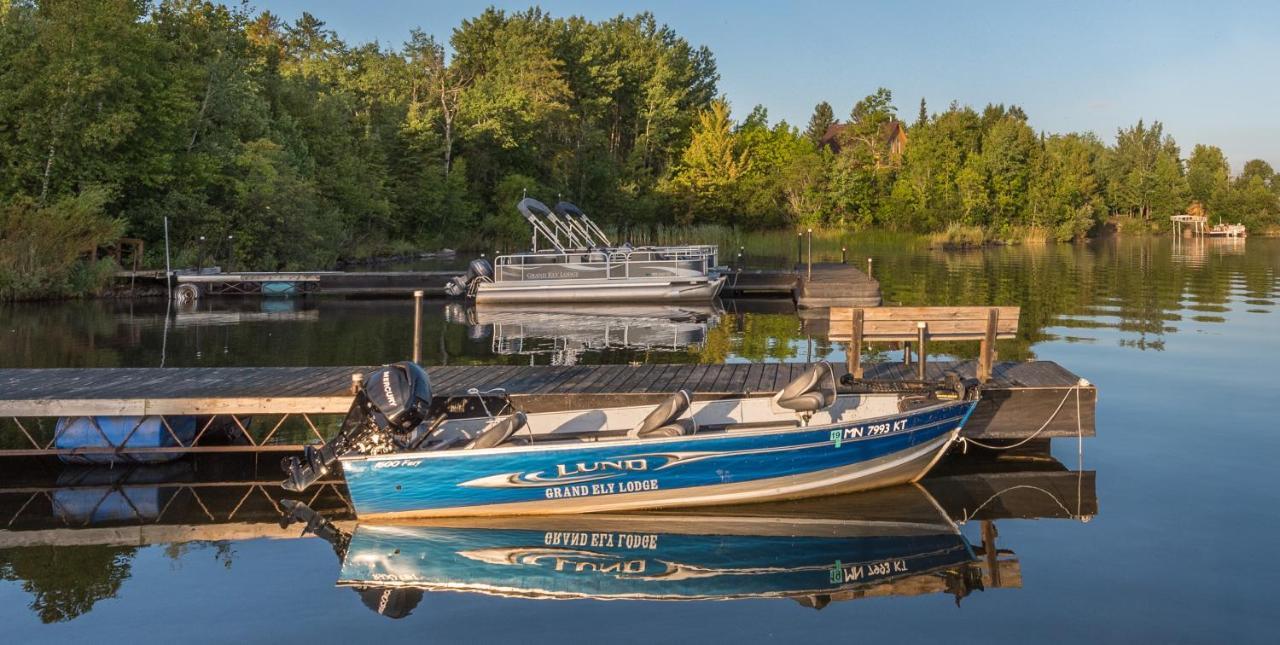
(1133, 293)
(565, 332)
(806, 552)
(71, 533)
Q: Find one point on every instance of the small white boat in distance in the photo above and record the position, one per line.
(582, 265)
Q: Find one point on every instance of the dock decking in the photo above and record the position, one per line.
(1018, 399)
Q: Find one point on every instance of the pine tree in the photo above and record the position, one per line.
(822, 119)
(923, 117)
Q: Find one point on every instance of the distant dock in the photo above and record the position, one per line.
(825, 285)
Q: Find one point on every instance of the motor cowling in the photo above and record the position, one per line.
(479, 268)
(392, 402)
(397, 397)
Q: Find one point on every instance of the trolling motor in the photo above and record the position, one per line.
(388, 408)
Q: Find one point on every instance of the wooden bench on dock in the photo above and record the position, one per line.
(857, 326)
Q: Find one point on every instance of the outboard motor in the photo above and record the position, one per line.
(391, 404)
(479, 269)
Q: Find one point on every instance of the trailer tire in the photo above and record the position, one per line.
(187, 293)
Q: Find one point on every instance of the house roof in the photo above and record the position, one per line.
(889, 130)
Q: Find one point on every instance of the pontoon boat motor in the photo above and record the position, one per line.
(391, 404)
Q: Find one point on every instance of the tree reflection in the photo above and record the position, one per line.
(66, 582)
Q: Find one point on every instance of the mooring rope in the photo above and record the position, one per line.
(965, 441)
(969, 516)
(1079, 457)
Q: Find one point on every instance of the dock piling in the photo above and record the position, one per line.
(922, 340)
(417, 326)
(987, 354)
(854, 352)
(869, 275)
(809, 274)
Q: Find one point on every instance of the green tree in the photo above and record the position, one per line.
(1207, 176)
(1144, 174)
(821, 121)
(1066, 191)
(707, 178)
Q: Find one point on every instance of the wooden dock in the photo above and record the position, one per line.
(1019, 398)
(835, 285)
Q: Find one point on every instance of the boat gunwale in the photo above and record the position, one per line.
(634, 442)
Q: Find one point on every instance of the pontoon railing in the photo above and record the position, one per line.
(611, 264)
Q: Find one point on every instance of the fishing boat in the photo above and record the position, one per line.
(404, 456)
(578, 263)
(812, 551)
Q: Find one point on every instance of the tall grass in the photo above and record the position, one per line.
(959, 236)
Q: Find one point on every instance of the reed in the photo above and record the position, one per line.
(959, 236)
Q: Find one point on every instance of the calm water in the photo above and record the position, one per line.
(1182, 342)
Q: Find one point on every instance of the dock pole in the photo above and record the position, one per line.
(869, 267)
(417, 326)
(168, 268)
(922, 343)
(810, 263)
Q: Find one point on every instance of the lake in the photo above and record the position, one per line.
(1159, 531)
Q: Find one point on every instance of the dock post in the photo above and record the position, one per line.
(844, 255)
(357, 380)
(417, 326)
(810, 262)
(990, 553)
(986, 357)
(922, 340)
(868, 267)
(799, 251)
(168, 268)
(906, 353)
(854, 353)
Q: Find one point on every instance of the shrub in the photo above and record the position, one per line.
(44, 247)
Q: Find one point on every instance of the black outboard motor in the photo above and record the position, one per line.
(391, 404)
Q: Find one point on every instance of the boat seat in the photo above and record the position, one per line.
(665, 421)
(498, 432)
(813, 390)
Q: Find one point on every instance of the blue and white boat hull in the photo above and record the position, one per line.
(715, 468)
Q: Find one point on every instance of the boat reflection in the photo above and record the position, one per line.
(566, 331)
(804, 551)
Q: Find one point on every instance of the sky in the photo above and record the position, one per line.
(1207, 70)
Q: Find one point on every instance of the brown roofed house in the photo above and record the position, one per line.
(893, 134)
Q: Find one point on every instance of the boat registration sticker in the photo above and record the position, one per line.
(871, 430)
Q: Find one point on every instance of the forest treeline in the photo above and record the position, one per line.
(271, 143)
